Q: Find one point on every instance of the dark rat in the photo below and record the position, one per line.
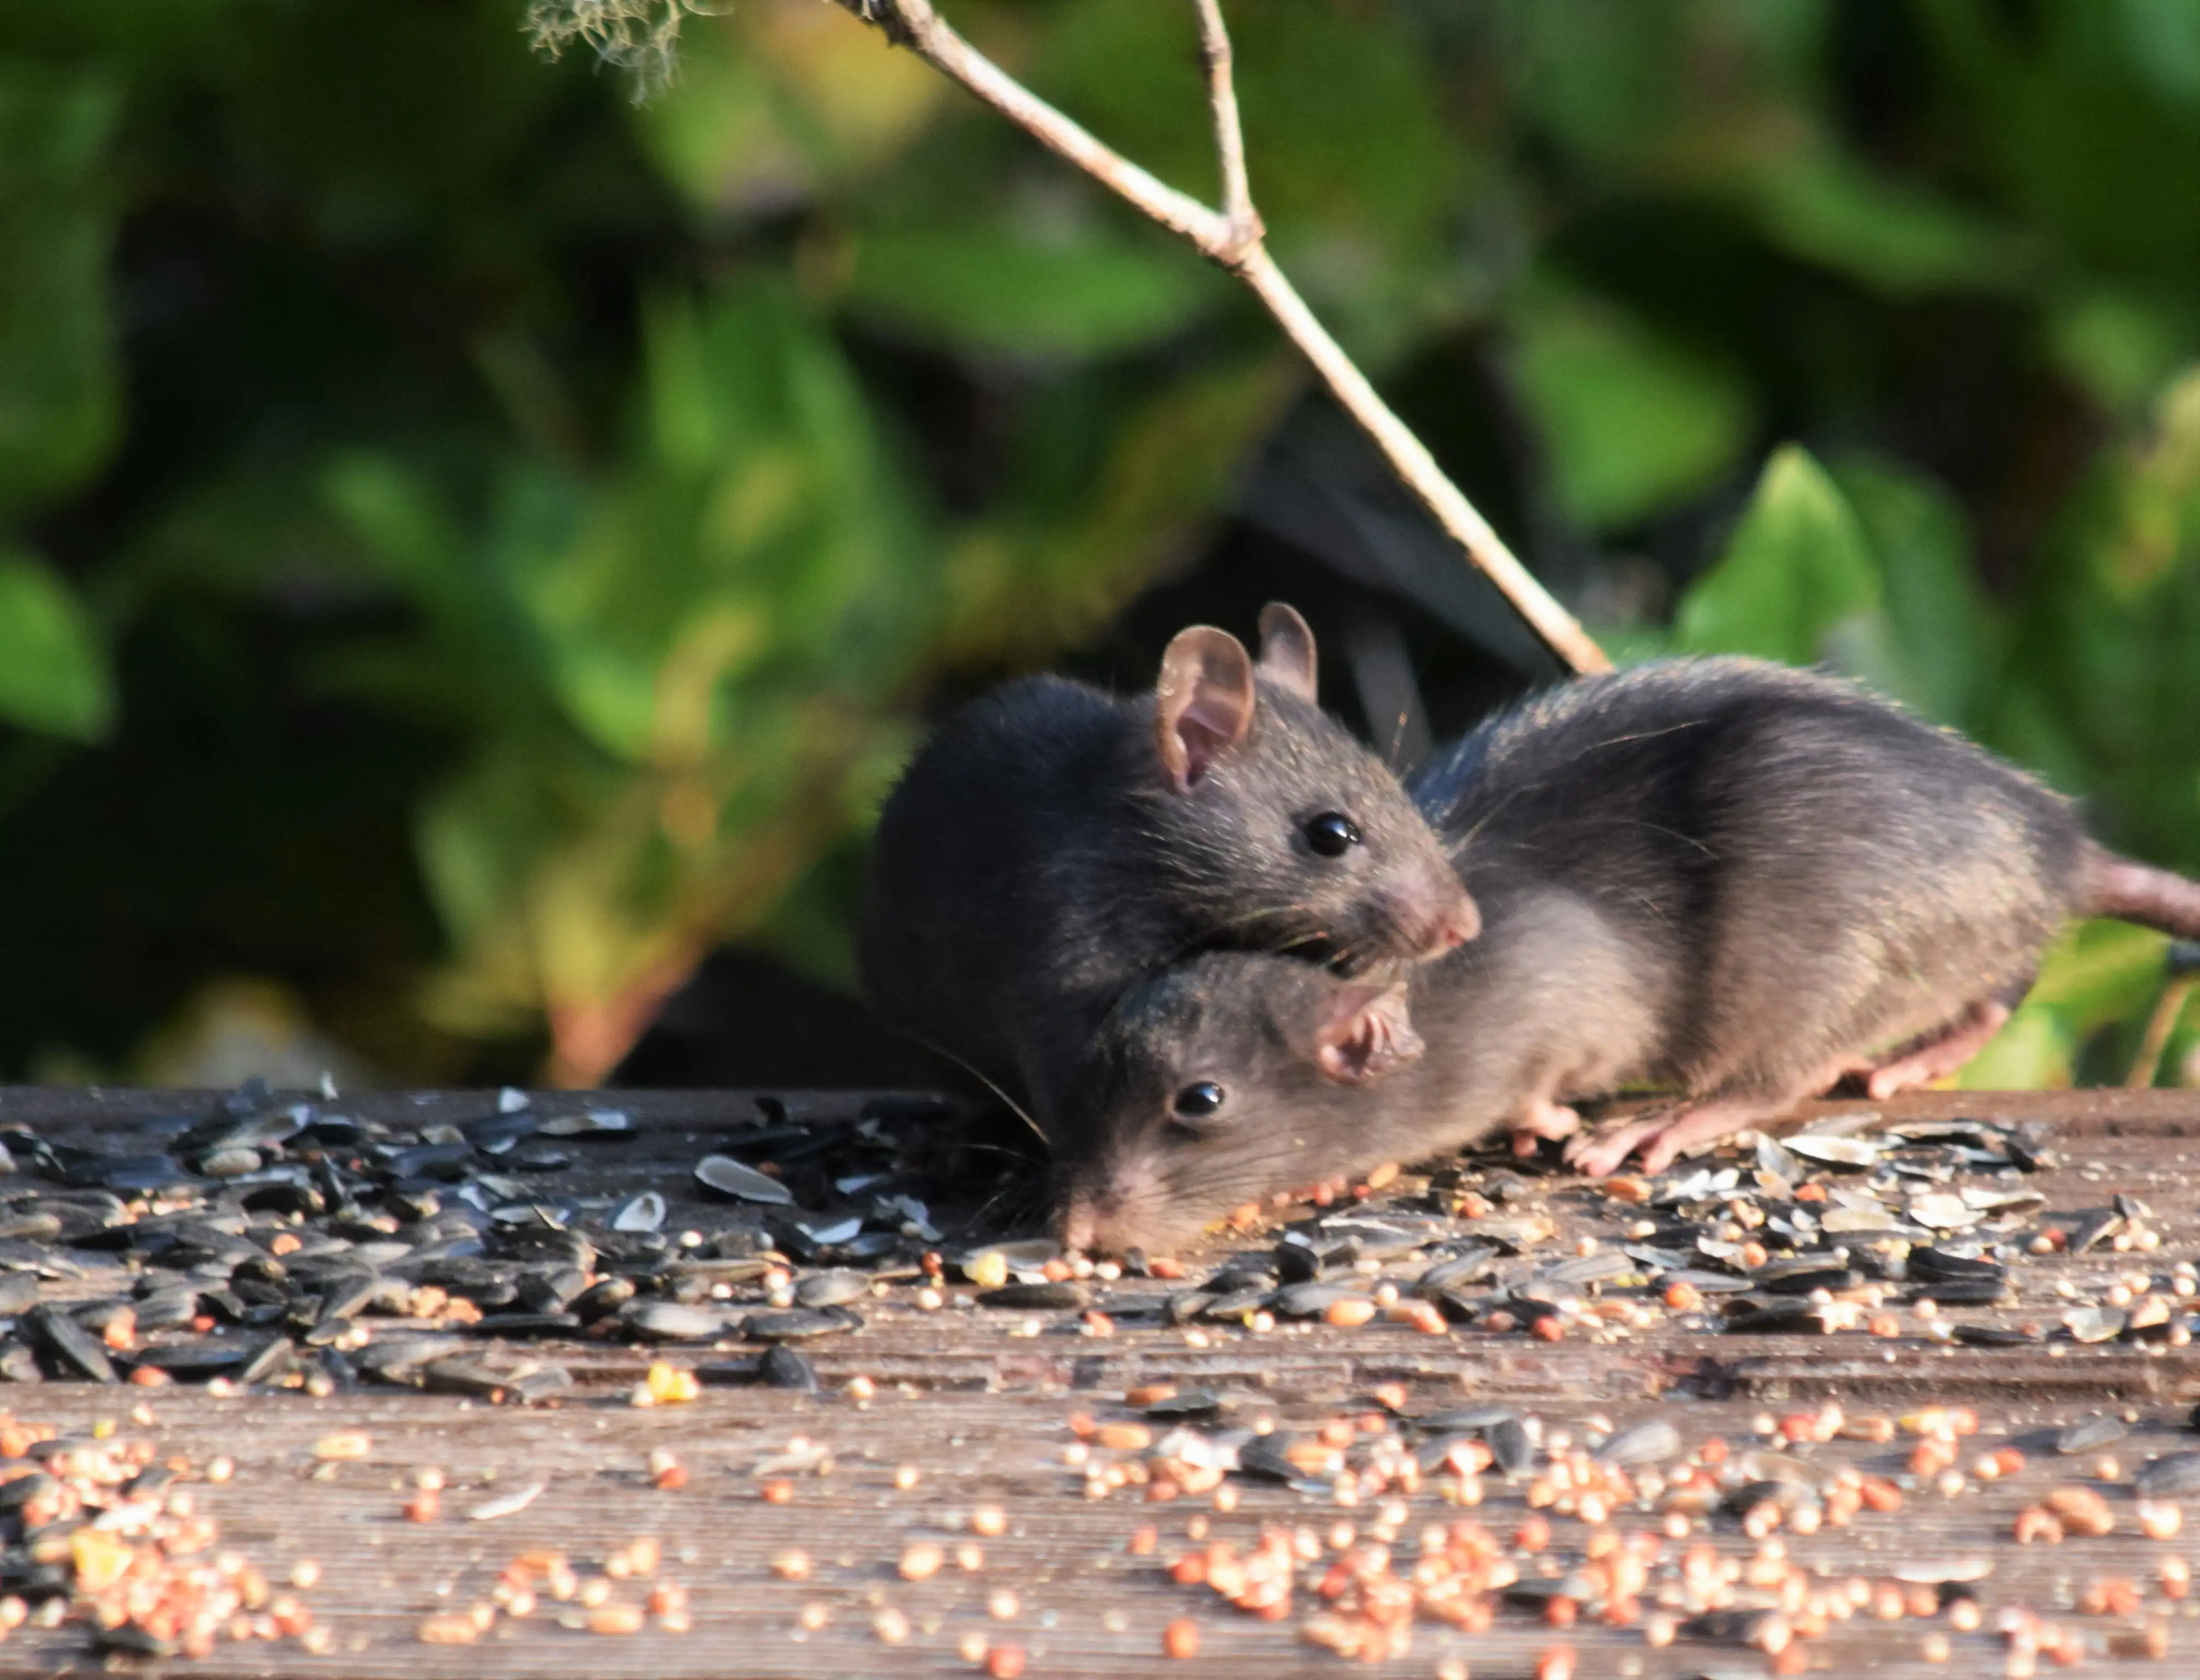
(1736, 880)
(1052, 845)
(1816, 884)
(1239, 1075)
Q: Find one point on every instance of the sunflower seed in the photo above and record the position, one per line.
(671, 1321)
(2176, 1476)
(644, 1212)
(1029, 1297)
(799, 1324)
(508, 1505)
(725, 1176)
(2100, 1430)
(833, 1289)
(1650, 1443)
(781, 1367)
(72, 1348)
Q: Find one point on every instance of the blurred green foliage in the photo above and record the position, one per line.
(469, 541)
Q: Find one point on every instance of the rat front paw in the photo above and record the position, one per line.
(1543, 1119)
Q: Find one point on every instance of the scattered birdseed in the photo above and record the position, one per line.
(1830, 1234)
(921, 1561)
(506, 1505)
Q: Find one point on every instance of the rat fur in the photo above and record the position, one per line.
(1052, 845)
(1732, 879)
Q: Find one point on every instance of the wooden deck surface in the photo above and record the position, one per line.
(981, 1402)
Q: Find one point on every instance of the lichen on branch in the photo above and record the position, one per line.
(640, 36)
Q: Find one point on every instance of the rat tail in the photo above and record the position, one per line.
(2109, 885)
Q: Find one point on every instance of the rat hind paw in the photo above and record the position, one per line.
(1597, 1154)
(1940, 1055)
(1663, 1135)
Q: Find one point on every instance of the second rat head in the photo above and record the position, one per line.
(1282, 830)
(1217, 1083)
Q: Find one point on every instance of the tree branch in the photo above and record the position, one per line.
(1232, 237)
(1229, 137)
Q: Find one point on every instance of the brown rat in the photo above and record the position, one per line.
(1820, 885)
(1238, 1075)
(1733, 879)
(1052, 845)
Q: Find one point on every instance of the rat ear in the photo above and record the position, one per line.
(1367, 1035)
(1203, 703)
(1287, 655)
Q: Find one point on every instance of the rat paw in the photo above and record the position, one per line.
(1543, 1119)
(1599, 1155)
(1939, 1054)
(1887, 1082)
(1546, 1119)
(1661, 1151)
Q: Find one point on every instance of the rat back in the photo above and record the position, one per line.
(965, 888)
(1814, 873)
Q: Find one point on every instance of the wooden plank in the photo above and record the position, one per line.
(980, 1403)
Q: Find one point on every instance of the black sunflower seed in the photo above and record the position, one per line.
(1035, 1296)
(73, 1351)
(783, 1368)
(799, 1324)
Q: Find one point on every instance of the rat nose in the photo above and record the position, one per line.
(1445, 926)
(1430, 919)
(1457, 926)
(1079, 1224)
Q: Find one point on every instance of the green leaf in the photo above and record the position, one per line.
(1361, 180)
(2088, 121)
(1021, 589)
(2163, 38)
(998, 291)
(1647, 89)
(760, 540)
(54, 672)
(60, 384)
(1796, 582)
(1633, 422)
(2121, 345)
(2034, 1052)
(2098, 973)
(1898, 237)
(2103, 680)
(1939, 624)
(773, 102)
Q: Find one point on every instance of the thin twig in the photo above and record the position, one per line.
(2146, 1062)
(914, 24)
(1232, 238)
(1560, 631)
(1229, 135)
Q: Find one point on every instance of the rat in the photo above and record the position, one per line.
(1237, 1075)
(1052, 845)
(1735, 880)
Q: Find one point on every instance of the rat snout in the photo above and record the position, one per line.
(1110, 1209)
(1079, 1222)
(1432, 919)
(1455, 926)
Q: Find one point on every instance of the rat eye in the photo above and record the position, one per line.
(1196, 1102)
(1331, 834)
